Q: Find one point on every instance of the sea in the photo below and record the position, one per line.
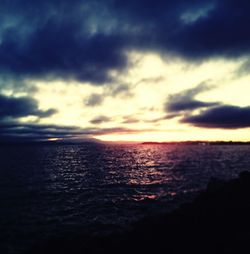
(48, 191)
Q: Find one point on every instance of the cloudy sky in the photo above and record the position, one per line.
(134, 70)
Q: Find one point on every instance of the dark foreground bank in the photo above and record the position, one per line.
(218, 221)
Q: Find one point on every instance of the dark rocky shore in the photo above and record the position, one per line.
(217, 221)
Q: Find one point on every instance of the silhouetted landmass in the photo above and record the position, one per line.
(217, 221)
(198, 143)
(50, 142)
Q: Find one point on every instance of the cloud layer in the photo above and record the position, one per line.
(210, 115)
(93, 42)
(16, 132)
(222, 117)
(185, 100)
(86, 40)
(11, 107)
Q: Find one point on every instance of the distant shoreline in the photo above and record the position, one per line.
(201, 143)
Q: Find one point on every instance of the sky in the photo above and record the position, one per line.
(115, 70)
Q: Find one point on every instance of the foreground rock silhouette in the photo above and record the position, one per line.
(217, 221)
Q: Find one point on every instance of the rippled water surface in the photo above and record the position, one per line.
(50, 190)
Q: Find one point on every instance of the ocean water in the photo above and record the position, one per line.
(52, 190)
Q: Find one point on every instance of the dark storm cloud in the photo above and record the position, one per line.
(223, 117)
(84, 40)
(54, 51)
(185, 100)
(194, 29)
(53, 39)
(222, 32)
(11, 107)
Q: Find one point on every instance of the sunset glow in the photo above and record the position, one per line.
(121, 122)
(129, 93)
(136, 104)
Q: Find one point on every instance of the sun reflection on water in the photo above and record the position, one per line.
(97, 184)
